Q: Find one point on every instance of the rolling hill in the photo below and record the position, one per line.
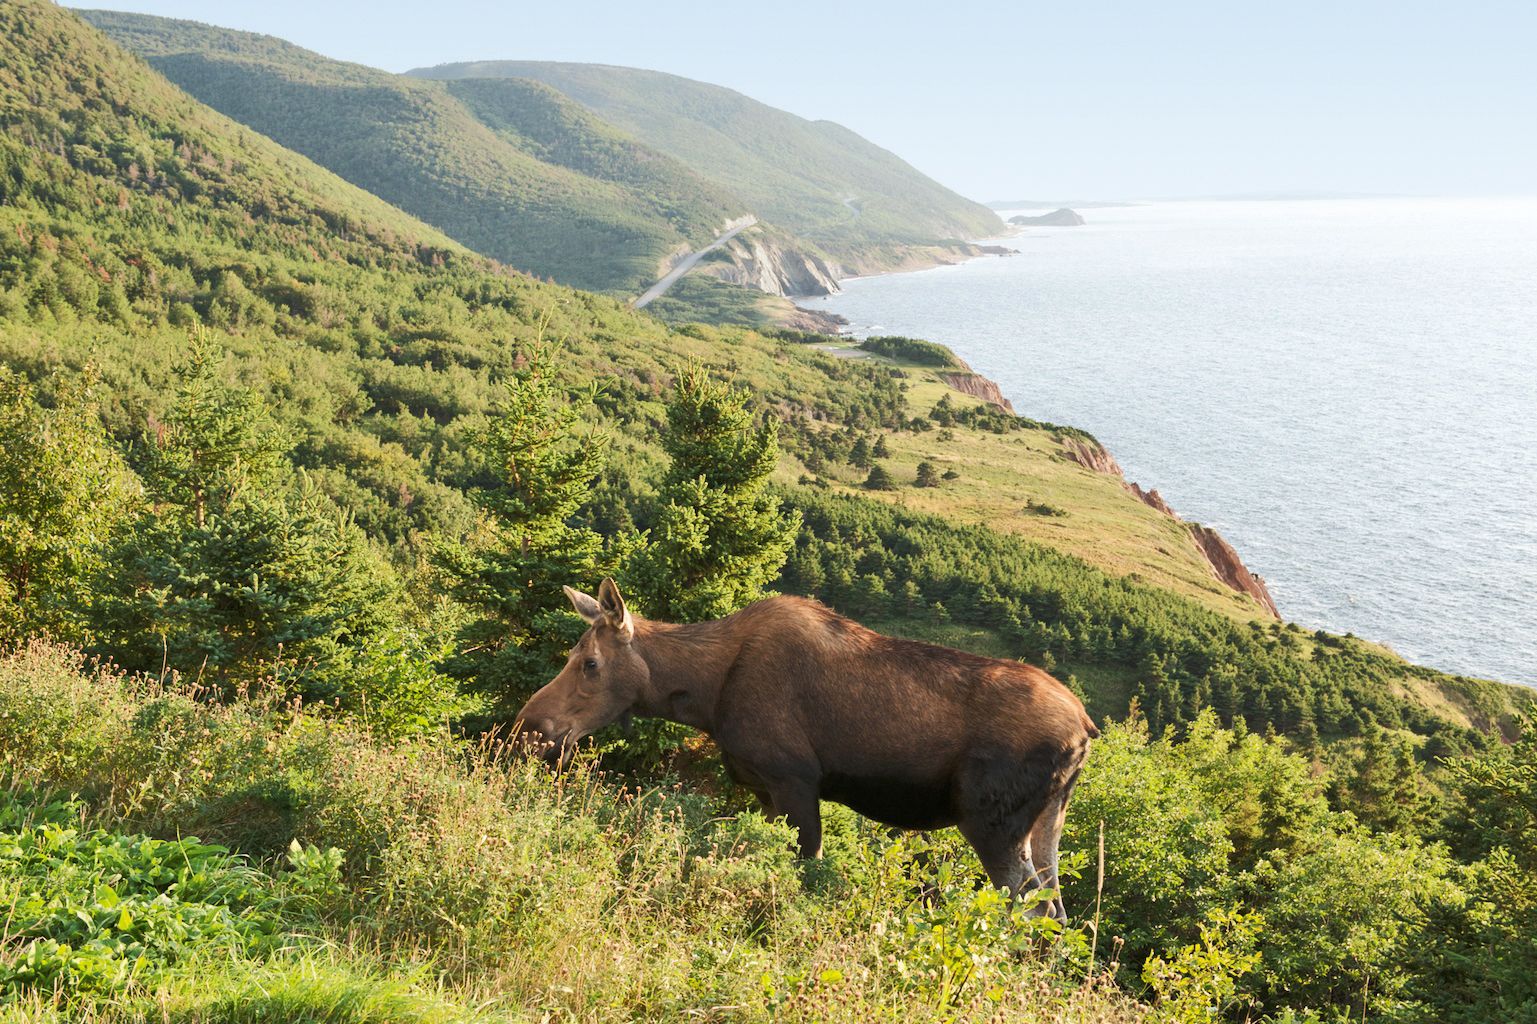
(817, 179)
(545, 173)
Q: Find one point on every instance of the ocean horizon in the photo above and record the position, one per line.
(1345, 388)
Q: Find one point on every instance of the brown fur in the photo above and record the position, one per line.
(807, 705)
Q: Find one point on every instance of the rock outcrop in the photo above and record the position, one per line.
(1152, 499)
(757, 260)
(1063, 218)
(813, 321)
(978, 386)
(1090, 454)
(1229, 568)
(1224, 561)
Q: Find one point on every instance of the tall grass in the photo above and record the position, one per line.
(473, 886)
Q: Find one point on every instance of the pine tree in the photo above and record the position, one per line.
(859, 455)
(1384, 786)
(512, 577)
(928, 475)
(720, 537)
(881, 450)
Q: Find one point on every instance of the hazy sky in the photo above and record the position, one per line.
(1079, 99)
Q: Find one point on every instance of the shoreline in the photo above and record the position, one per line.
(1085, 371)
(1227, 566)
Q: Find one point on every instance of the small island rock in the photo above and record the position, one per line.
(1063, 218)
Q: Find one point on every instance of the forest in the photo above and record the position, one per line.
(289, 486)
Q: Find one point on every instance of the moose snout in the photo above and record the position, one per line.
(545, 739)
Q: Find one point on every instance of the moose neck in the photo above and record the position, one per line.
(688, 667)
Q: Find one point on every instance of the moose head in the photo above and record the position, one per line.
(604, 678)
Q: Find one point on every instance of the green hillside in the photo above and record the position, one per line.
(815, 178)
(378, 342)
(260, 430)
(512, 170)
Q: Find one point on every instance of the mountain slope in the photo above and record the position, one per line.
(517, 172)
(814, 178)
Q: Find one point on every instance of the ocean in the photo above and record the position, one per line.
(1346, 389)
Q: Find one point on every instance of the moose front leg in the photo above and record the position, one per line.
(802, 808)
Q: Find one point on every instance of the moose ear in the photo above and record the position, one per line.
(586, 606)
(614, 611)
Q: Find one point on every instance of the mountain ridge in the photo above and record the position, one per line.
(536, 183)
(830, 185)
(515, 168)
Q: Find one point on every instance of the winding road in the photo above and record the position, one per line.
(733, 228)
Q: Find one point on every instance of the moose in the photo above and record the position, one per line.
(806, 705)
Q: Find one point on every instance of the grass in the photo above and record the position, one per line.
(1000, 475)
(474, 888)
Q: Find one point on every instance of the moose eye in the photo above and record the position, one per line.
(590, 665)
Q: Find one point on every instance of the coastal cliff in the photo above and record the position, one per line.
(978, 386)
(1229, 568)
(776, 263)
(1224, 561)
(1090, 454)
(895, 259)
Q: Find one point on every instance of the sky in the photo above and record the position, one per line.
(1005, 100)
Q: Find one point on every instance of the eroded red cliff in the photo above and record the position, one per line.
(1230, 568)
(1225, 564)
(978, 386)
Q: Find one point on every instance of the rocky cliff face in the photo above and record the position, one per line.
(1224, 561)
(1229, 568)
(1091, 455)
(978, 386)
(761, 261)
(1152, 499)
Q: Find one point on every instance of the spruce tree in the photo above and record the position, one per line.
(240, 567)
(881, 449)
(511, 576)
(928, 476)
(859, 455)
(880, 479)
(720, 536)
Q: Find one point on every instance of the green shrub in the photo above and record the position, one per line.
(93, 913)
(913, 350)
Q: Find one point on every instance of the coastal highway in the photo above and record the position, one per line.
(733, 228)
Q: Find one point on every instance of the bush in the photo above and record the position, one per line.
(93, 912)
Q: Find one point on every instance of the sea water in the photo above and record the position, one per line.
(1346, 389)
